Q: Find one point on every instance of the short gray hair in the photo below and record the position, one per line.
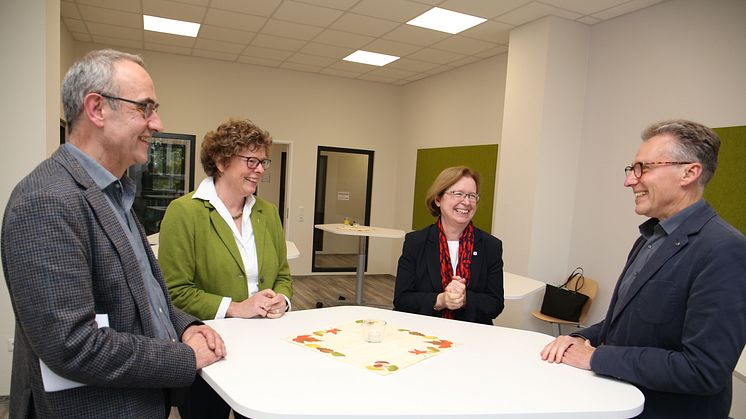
(694, 142)
(92, 73)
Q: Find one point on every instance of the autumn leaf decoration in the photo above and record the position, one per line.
(382, 365)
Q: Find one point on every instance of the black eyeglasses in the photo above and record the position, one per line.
(639, 167)
(253, 162)
(145, 108)
(459, 196)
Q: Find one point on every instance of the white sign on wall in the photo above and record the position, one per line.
(343, 196)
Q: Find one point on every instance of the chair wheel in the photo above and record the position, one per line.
(341, 298)
(319, 304)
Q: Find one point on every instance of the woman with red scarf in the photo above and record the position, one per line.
(451, 269)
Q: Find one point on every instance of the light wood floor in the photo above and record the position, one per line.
(378, 290)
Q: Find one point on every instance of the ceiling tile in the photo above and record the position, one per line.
(398, 49)
(173, 10)
(418, 77)
(343, 39)
(533, 11)
(306, 13)
(83, 37)
(127, 43)
(352, 67)
(267, 53)
(112, 31)
(113, 17)
(463, 45)
(415, 35)
(234, 20)
(74, 25)
(225, 34)
(220, 46)
(441, 69)
(167, 48)
(68, 9)
(624, 8)
(313, 60)
(584, 7)
(483, 8)
(502, 49)
(491, 31)
(363, 25)
(333, 4)
(436, 56)
(465, 61)
(259, 61)
(168, 39)
(133, 6)
(340, 73)
(224, 56)
(301, 67)
(378, 79)
(412, 65)
(394, 73)
(326, 50)
(252, 7)
(396, 10)
(290, 30)
(269, 41)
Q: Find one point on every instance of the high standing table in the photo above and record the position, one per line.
(491, 372)
(363, 232)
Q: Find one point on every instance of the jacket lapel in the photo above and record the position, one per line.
(113, 230)
(432, 254)
(476, 259)
(226, 235)
(671, 245)
(259, 225)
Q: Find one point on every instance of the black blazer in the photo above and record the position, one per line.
(681, 326)
(418, 280)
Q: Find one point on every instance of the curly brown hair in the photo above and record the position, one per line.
(229, 139)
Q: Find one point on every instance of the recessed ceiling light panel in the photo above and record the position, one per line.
(372, 58)
(445, 20)
(175, 27)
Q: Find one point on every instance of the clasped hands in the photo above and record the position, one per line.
(454, 295)
(206, 343)
(570, 350)
(265, 303)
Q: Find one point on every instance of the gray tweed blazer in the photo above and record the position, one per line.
(66, 259)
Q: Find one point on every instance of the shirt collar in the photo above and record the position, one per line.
(206, 191)
(98, 173)
(669, 225)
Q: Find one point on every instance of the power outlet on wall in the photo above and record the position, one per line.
(10, 344)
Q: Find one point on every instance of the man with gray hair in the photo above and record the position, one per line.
(96, 334)
(676, 324)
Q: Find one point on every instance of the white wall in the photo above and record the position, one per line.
(29, 114)
(681, 58)
(461, 107)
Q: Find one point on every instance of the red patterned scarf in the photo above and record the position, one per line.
(463, 269)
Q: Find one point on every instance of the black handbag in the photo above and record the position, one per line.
(563, 303)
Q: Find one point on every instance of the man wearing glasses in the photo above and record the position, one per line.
(96, 333)
(676, 324)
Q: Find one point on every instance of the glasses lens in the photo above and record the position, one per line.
(266, 163)
(638, 169)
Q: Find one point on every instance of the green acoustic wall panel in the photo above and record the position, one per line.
(431, 161)
(726, 191)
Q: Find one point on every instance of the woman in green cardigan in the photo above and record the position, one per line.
(222, 249)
